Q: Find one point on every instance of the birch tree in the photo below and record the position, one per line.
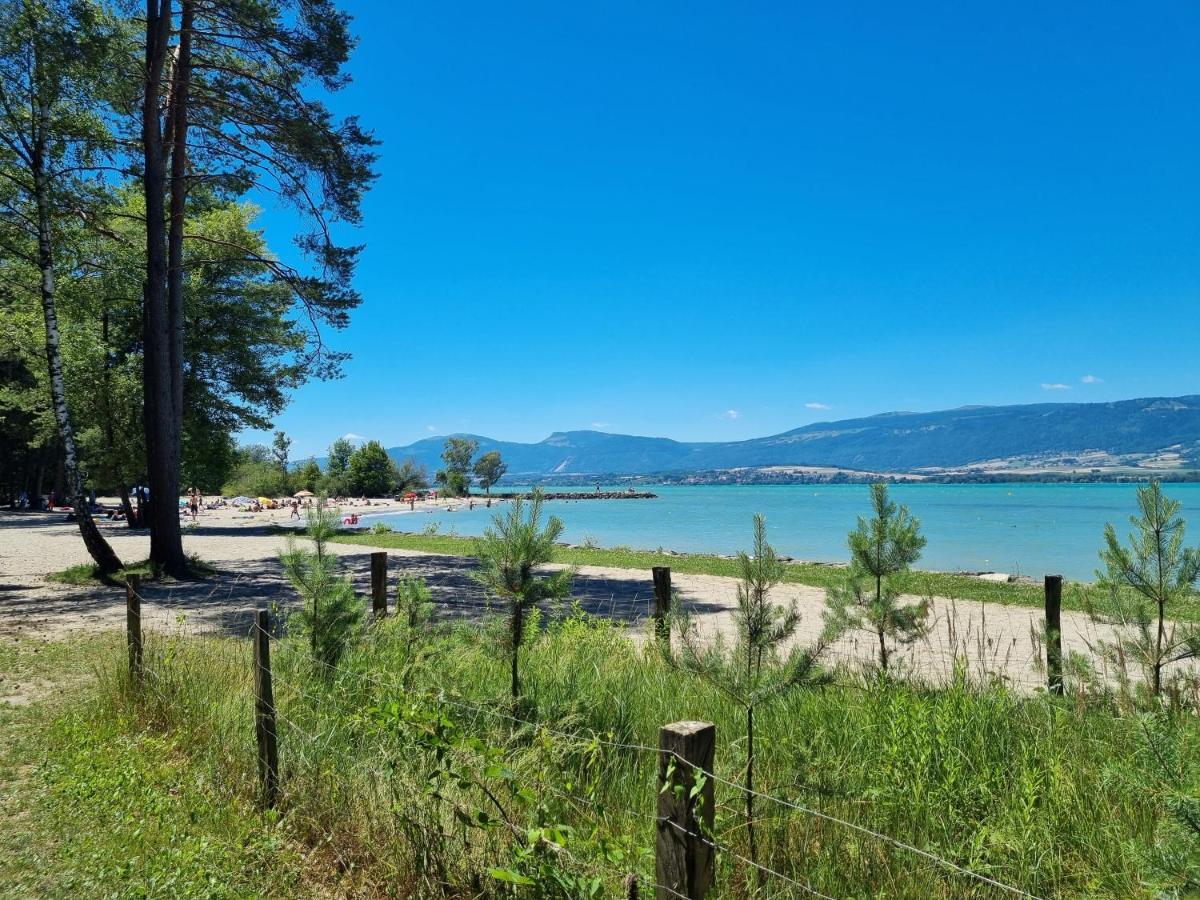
(51, 55)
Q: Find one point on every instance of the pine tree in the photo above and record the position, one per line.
(330, 613)
(755, 670)
(510, 552)
(881, 549)
(226, 103)
(1148, 577)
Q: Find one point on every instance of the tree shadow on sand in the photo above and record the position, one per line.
(224, 603)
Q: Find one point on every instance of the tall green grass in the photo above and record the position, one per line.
(403, 773)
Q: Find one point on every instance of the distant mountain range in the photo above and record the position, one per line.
(1152, 434)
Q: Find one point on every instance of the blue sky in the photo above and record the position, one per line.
(718, 221)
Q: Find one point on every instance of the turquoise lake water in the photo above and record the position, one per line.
(1029, 529)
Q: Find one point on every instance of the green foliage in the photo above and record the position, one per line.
(145, 819)
(1153, 576)
(398, 753)
(414, 604)
(337, 468)
(510, 553)
(281, 446)
(489, 469)
(104, 789)
(370, 472)
(330, 613)
(257, 479)
(754, 670)
(1165, 768)
(458, 452)
(453, 484)
(456, 455)
(411, 477)
(308, 476)
(882, 548)
(209, 458)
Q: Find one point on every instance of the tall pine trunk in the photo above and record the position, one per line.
(162, 418)
(97, 547)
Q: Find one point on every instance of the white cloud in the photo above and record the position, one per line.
(1092, 379)
(731, 414)
(601, 424)
(354, 438)
(1056, 386)
(815, 405)
(432, 429)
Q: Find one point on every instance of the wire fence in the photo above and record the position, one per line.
(163, 617)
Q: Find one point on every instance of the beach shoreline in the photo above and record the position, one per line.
(244, 552)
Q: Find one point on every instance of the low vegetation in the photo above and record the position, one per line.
(404, 772)
(86, 574)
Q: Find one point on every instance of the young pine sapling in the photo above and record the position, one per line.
(754, 670)
(510, 552)
(1145, 579)
(882, 548)
(330, 613)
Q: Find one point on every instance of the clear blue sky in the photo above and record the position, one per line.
(712, 221)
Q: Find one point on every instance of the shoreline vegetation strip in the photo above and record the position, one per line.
(820, 575)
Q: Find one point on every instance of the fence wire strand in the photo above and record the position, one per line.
(641, 748)
(861, 829)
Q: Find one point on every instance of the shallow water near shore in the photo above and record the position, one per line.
(1027, 529)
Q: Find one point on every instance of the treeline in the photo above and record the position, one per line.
(144, 318)
(365, 471)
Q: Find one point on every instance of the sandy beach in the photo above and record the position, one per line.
(990, 640)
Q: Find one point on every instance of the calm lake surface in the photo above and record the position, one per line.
(1029, 529)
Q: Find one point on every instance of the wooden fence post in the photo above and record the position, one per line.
(662, 601)
(133, 625)
(264, 710)
(379, 584)
(1054, 669)
(684, 858)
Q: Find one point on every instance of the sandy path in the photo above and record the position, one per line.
(990, 639)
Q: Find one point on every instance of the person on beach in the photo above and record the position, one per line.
(193, 503)
(295, 510)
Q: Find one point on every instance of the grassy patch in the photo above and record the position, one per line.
(95, 804)
(401, 774)
(935, 584)
(86, 574)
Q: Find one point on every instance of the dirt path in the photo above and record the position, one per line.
(990, 639)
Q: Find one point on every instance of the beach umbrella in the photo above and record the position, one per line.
(299, 495)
